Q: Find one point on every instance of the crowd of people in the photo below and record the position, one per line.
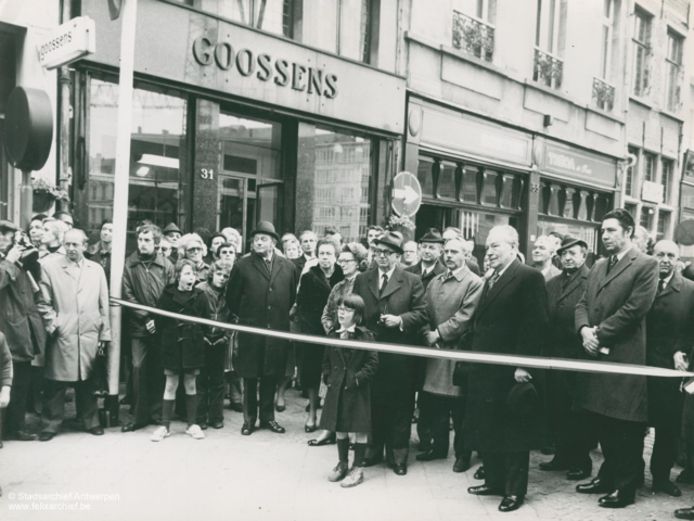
(632, 305)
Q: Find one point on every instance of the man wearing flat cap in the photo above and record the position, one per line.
(260, 292)
(394, 311)
(568, 425)
(428, 267)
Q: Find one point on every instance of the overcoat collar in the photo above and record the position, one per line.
(506, 277)
(394, 282)
(626, 261)
(574, 282)
(675, 285)
(260, 265)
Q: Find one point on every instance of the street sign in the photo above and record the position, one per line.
(68, 42)
(406, 196)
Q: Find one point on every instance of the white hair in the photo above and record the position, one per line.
(509, 233)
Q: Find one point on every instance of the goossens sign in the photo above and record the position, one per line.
(265, 67)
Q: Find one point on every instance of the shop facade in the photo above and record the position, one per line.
(232, 125)
(477, 173)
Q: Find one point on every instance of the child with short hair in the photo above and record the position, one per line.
(182, 347)
(348, 374)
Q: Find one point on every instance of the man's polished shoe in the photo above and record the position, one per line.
(46, 435)
(484, 490)
(617, 499)
(577, 474)
(684, 513)
(668, 487)
(595, 486)
(247, 429)
(273, 426)
(461, 464)
(23, 436)
(479, 473)
(510, 503)
(430, 455)
(554, 464)
(96, 431)
(131, 427)
(400, 468)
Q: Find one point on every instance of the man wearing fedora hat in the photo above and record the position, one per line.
(568, 425)
(172, 233)
(260, 292)
(394, 312)
(428, 267)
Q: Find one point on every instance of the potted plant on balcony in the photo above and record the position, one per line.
(402, 224)
(45, 195)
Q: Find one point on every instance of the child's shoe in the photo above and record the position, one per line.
(338, 473)
(195, 432)
(354, 478)
(160, 433)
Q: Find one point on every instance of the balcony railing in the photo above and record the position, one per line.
(473, 36)
(548, 69)
(603, 94)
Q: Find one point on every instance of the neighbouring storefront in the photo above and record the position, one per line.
(232, 125)
(477, 173)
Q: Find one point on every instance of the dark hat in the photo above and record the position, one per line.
(568, 241)
(267, 228)
(8, 226)
(171, 227)
(522, 399)
(391, 239)
(432, 235)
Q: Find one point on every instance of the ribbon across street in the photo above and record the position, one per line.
(525, 361)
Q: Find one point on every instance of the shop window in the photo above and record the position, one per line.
(641, 41)
(331, 192)
(425, 175)
(490, 191)
(663, 224)
(446, 186)
(471, 184)
(157, 160)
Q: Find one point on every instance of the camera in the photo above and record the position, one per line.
(30, 255)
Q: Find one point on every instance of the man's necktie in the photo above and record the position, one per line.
(611, 262)
(493, 279)
(384, 278)
(268, 265)
(661, 285)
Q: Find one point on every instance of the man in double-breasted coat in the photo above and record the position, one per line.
(670, 337)
(503, 417)
(394, 311)
(75, 310)
(611, 319)
(563, 292)
(260, 292)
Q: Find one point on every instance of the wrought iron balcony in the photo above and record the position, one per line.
(548, 69)
(473, 36)
(603, 94)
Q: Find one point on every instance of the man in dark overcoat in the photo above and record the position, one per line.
(429, 266)
(670, 336)
(394, 312)
(611, 319)
(260, 292)
(563, 292)
(503, 417)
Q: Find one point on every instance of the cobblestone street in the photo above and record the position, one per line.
(264, 477)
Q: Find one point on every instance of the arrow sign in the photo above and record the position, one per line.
(406, 196)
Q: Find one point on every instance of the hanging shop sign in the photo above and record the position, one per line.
(70, 41)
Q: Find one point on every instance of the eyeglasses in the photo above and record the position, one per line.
(385, 253)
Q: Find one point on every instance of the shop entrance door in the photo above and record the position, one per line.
(236, 204)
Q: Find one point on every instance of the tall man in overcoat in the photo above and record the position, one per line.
(502, 420)
(260, 292)
(394, 312)
(75, 310)
(563, 292)
(670, 337)
(611, 319)
(450, 300)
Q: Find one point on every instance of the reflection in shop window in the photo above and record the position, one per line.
(157, 152)
(425, 175)
(446, 185)
(332, 185)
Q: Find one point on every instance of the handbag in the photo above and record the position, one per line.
(99, 374)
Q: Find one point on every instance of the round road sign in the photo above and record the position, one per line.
(406, 196)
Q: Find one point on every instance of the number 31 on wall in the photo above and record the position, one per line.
(207, 173)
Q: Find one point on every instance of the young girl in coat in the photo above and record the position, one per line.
(182, 346)
(348, 374)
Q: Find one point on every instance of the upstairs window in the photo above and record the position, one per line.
(674, 73)
(550, 36)
(473, 27)
(641, 41)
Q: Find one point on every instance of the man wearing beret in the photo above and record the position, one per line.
(394, 311)
(611, 320)
(563, 292)
(260, 292)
